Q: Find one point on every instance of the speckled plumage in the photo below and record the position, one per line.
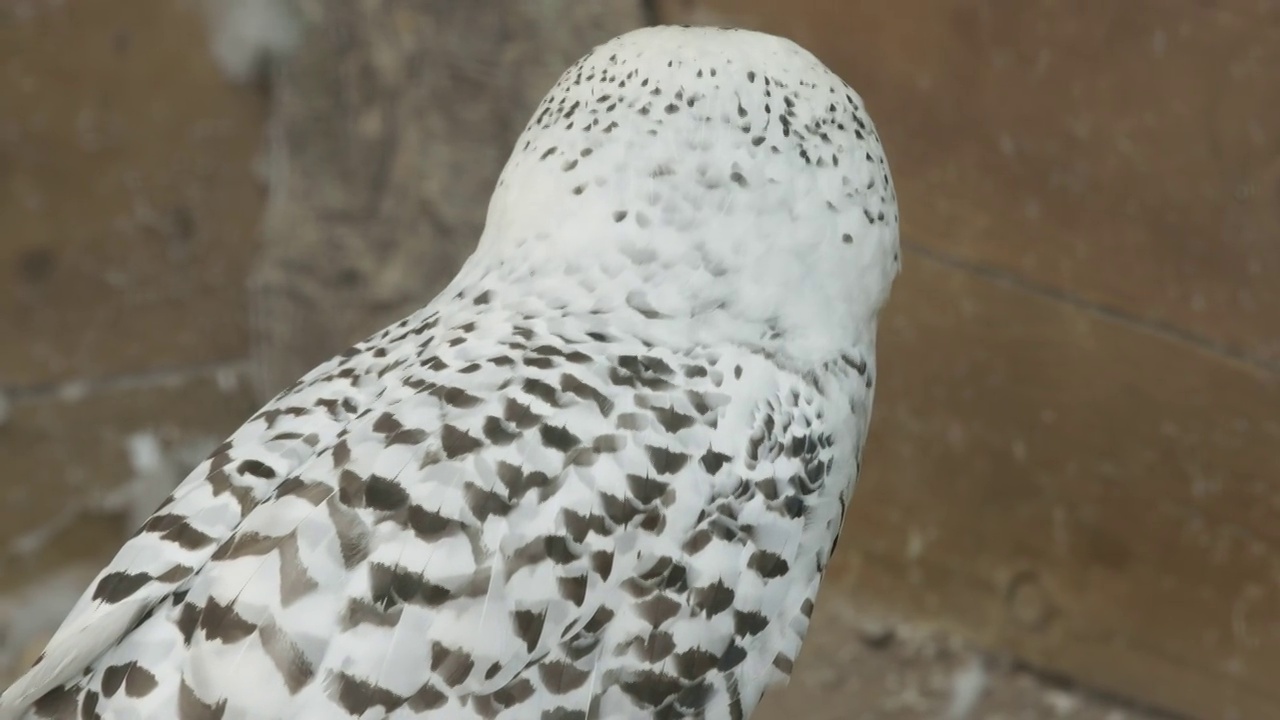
(598, 477)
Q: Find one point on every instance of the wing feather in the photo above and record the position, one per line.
(618, 536)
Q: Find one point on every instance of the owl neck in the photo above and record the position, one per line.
(680, 303)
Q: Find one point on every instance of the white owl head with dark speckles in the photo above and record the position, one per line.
(701, 173)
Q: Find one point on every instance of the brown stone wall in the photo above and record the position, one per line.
(389, 127)
(128, 216)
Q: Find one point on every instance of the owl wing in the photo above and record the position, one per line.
(611, 535)
(208, 506)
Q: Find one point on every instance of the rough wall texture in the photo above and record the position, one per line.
(127, 213)
(389, 128)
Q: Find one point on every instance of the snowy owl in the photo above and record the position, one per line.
(599, 476)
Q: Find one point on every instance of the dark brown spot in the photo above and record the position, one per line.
(540, 390)
(510, 695)
(602, 563)
(341, 453)
(453, 666)
(407, 436)
(188, 620)
(456, 442)
(362, 612)
(113, 679)
(672, 420)
(658, 610)
(353, 534)
(654, 521)
(653, 647)
(580, 389)
(618, 510)
(117, 586)
(387, 424)
(58, 703)
(712, 461)
(528, 626)
(521, 415)
(573, 589)
(749, 623)
(256, 468)
(539, 362)
(497, 433)
(610, 443)
(312, 492)
(431, 526)
(426, 698)
(191, 707)
(351, 489)
(666, 462)
(560, 677)
(246, 544)
(385, 494)
(485, 503)
(89, 706)
(695, 663)
(713, 599)
(646, 489)
(697, 541)
(768, 564)
(651, 689)
(222, 622)
(176, 529)
(633, 421)
(558, 549)
(295, 581)
(695, 371)
(559, 438)
(579, 526)
(288, 658)
(392, 586)
(358, 696)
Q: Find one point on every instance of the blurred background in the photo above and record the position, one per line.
(1071, 498)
